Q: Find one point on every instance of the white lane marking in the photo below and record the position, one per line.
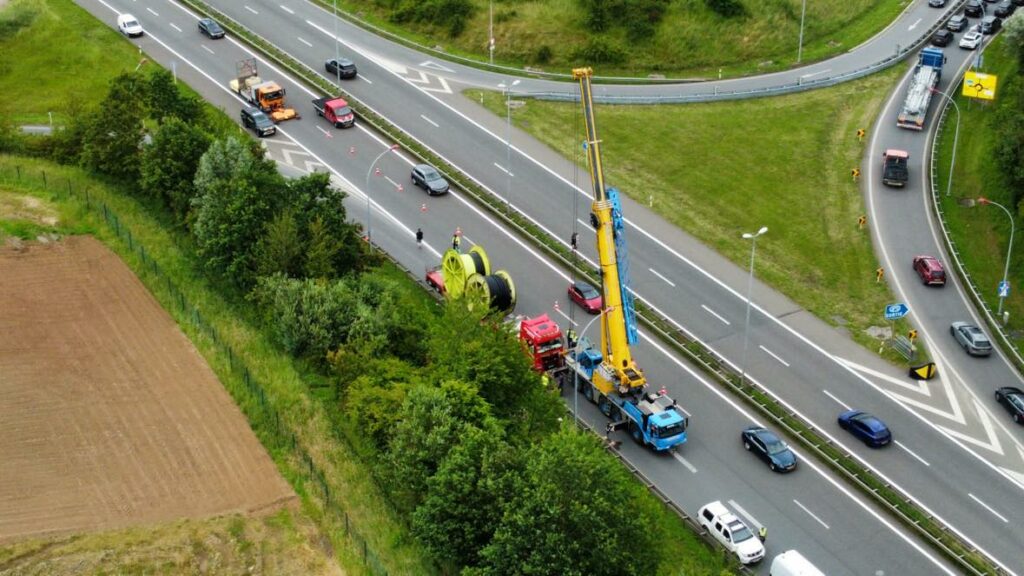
(502, 168)
(251, 10)
(918, 386)
(911, 452)
(363, 78)
(173, 26)
(208, 50)
(566, 316)
(685, 462)
(840, 402)
(811, 514)
(715, 314)
(914, 25)
(431, 122)
(774, 355)
(667, 281)
(304, 41)
(816, 73)
(989, 508)
(745, 514)
(393, 183)
(436, 66)
(287, 9)
(153, 12)
(325, 132)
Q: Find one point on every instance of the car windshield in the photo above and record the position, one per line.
(1016, 400)
(775, 446)
(431, 175)
(214, 27)
(130, 23)
(740, 532)
(872, 423)
(587, 291)
(343, 111)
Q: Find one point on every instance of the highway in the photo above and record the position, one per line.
(839, 533)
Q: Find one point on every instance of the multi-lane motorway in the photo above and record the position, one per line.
(955, 471)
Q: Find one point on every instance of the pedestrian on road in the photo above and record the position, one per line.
(456, 240)
(419, 238)
(762, 533)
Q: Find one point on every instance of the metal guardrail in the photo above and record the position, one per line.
(901, 505)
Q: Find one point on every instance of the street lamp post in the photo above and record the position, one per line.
(1009, 249)
(576, 354)
(800, 48)
(508, 140)
(956, 137)
(369, 232)
(750, 286)
(337, 53)
(490, 33)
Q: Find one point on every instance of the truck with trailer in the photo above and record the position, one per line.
(265, 95)
(895, 171)
(926, 78)
(336, 110)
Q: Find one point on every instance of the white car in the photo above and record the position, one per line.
(129, 26)
(728, 529)
(971, 40)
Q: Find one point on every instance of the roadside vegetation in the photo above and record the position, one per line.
(721, 169)
(675, 38)
(445, 458)
(990, 164)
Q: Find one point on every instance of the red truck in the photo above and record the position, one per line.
(336, 111)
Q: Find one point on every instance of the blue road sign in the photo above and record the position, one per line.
(1004, 288)
(896, 311)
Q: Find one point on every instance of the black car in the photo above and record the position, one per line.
(768, 447)
(942, 38)
(255, 120)
(210, 29)
(428, 178)
(1013, 400)
(340, 68)
(1005, 8)
(973, 9)
(956, 23)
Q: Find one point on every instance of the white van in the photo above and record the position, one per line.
(792, 563)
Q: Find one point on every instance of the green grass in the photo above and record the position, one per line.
(981, 232)
(718, 170)
(690, 41)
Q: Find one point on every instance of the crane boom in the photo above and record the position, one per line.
(618, 371)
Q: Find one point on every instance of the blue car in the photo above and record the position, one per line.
(868, 428)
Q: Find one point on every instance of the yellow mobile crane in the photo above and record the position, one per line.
(610, 376)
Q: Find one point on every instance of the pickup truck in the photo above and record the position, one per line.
(894, 168)
(336, 111)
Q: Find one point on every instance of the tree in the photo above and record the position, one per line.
(1013, 34)
(169, 165)
(313, 198)
(575, 512)
(308, 318)
(112, 139)
(321, 250)
(1008, 145)
(165, 100)
(279, 251)
(376, 390)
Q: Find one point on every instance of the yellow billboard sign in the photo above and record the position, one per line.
(980, 86)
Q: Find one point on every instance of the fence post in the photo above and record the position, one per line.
(44, 179)
(69, 187)
(18, 170)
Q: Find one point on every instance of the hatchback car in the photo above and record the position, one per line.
(210, 29)
(586, 296)
(869, 429)
(971, 40)
(426, 177)
(255, 120)
(1005, 9)
(129, 26)
(341, 67)
(956, 23)
(971, 338)
(1013, 400)
(973, 9)
(728, 529)
(942, 37)
(930, 270)
(768, 447)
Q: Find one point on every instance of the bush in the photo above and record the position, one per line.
(727, 8)
(543, 55)
(449, 14)
(600, 50)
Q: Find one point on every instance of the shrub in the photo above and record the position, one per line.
(727, 8)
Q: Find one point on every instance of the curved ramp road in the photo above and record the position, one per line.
(796, 356)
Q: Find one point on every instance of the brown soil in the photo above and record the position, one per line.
(109, 417)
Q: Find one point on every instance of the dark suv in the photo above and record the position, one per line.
(973, 9)
(255, 120)
(1005, 9)
(341, 67)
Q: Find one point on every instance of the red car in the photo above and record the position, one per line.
(930, 270)
(586, 296)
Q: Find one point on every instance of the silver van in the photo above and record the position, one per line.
(792, 563)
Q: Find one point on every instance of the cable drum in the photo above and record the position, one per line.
(495, 291)
(458, 268)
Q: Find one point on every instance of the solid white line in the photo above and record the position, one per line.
(989, 508)
(566, 316)
(914, 25)
(431, 122)
(911, 452)
(171, 24)
(287, 9)
(208, 50)
(153, 12)
(325, 132)
(685, 462)
(715, 314)
(667, 281)
(745, 514)
(841, 403)
(774, 355)
(500, 167)
(811, 514)
(251, 10)
(304, 42)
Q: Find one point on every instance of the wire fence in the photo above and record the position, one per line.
(265, 419)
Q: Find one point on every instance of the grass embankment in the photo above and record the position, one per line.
(718, 170)
(285, 542)
(981, 232)
(691, 40)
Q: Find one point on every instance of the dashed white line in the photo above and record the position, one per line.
(287, 9)
(325, 132)
(745, 514)
(809, 513)
(774, 355)
(301, 39)
(667, 281)
(363, 78)
(816, 73)
(431, 122)
(566, 316)
(175, 27)
(715, 314)
(989, 508)
(207, 49)
(502, 168)
(393, 183)
(251, 10)
(153, 12)
(911, 452)
(914, 25)
(841, 403)
(684, 462)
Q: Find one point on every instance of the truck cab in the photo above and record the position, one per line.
(894, 168)
(659, 422)
(336, 111)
